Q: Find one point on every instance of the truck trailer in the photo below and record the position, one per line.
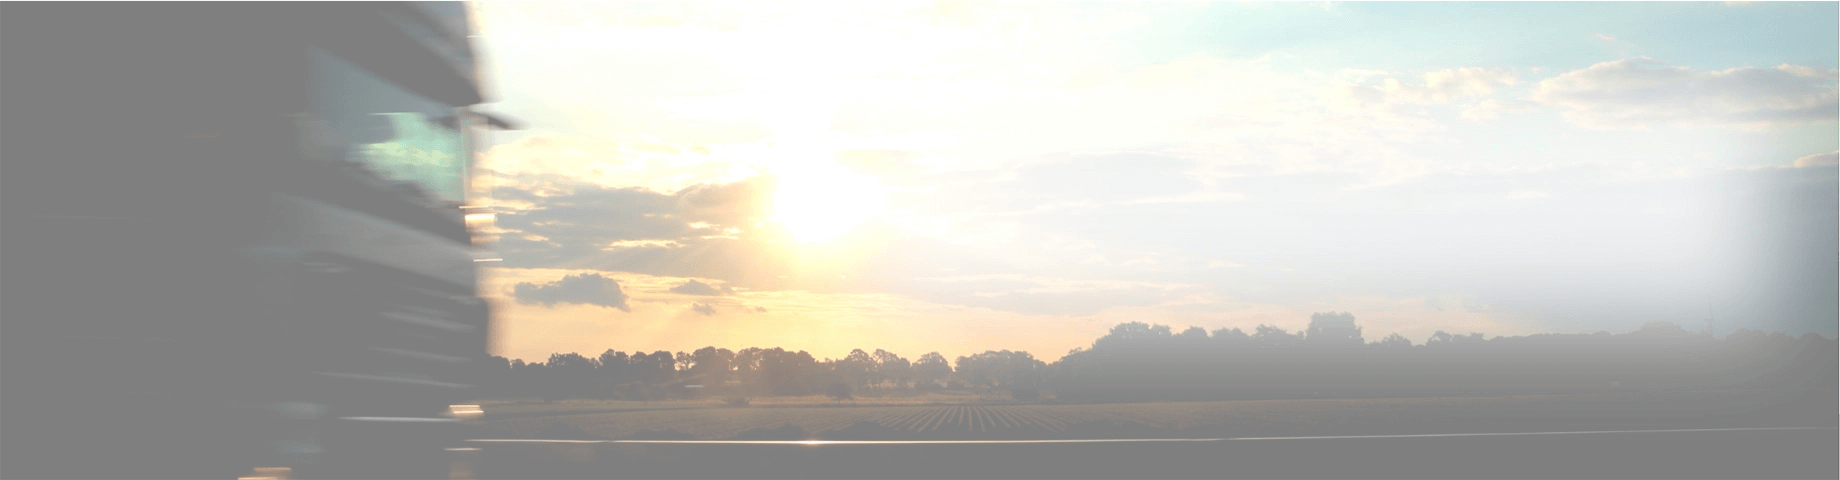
(238, 239)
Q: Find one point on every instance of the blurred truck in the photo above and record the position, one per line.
(237, 239)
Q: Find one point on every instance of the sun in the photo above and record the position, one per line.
(820, 203)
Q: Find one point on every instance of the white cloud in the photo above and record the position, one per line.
(1819, 160)
(1644, 92)
(1405, 104)
(1436, 88)
(632, 160)
(1491, 109)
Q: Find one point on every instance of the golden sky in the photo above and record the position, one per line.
(963, 176)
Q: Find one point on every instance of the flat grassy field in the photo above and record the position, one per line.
(531, 407)
(968, 419)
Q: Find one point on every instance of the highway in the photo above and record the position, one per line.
(1724, 453)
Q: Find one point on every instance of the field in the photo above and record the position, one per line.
(871, 420)
(528, 407)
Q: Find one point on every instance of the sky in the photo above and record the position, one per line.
(968, 176)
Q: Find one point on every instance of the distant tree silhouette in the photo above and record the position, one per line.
(656, 367)
(1393, 341)
(494, 376)
(1139, 361)
(1231, 337)
(1274, 337)
(1332, 329)
(1442, 338)
(711, 365)
(893, 367)
(931, 368)
(682, 361)
(747, 370)
(998, 368)
(787, 373)
(1132, 334)
(857, 368)
(571, 375)
(612, 371)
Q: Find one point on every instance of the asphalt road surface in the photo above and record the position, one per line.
(1675, 454)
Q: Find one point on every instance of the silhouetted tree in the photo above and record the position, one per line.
(1274, 337)
(787, 373)
(612, 371)
(1332, 329)
(931, 368)
(682, 362)
(656, 367)
(1442, 338)
(747, 369)
(494, 376)
(998, 368)
(712, 364)
(893, 367)
(1393, 341)
(1230, 337)
(1135, 360)
(570, 375)
(858, 368)
(1133, 333)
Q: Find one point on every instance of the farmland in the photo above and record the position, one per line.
(870, 419)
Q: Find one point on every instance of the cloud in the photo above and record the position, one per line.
(591, 289)
(880, 163)
(712, 232)
(1104, 176)
(1606, 38)
(1819, 160)
(1644, 92)
(1491, 109)
(704, 309)
(1435, 88)
(1041, 295)
(694, 287)
(631, 160)
(596, 227)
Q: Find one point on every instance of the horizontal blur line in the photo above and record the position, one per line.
(1118, 440)
(851, 442)
(1743, 429)
(400, 419)
(381, 378)
(93, 217)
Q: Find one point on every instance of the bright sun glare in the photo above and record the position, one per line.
(820, 203)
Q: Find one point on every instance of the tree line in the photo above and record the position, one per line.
(744, 373)
(1139, 361)
(1331, 358)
